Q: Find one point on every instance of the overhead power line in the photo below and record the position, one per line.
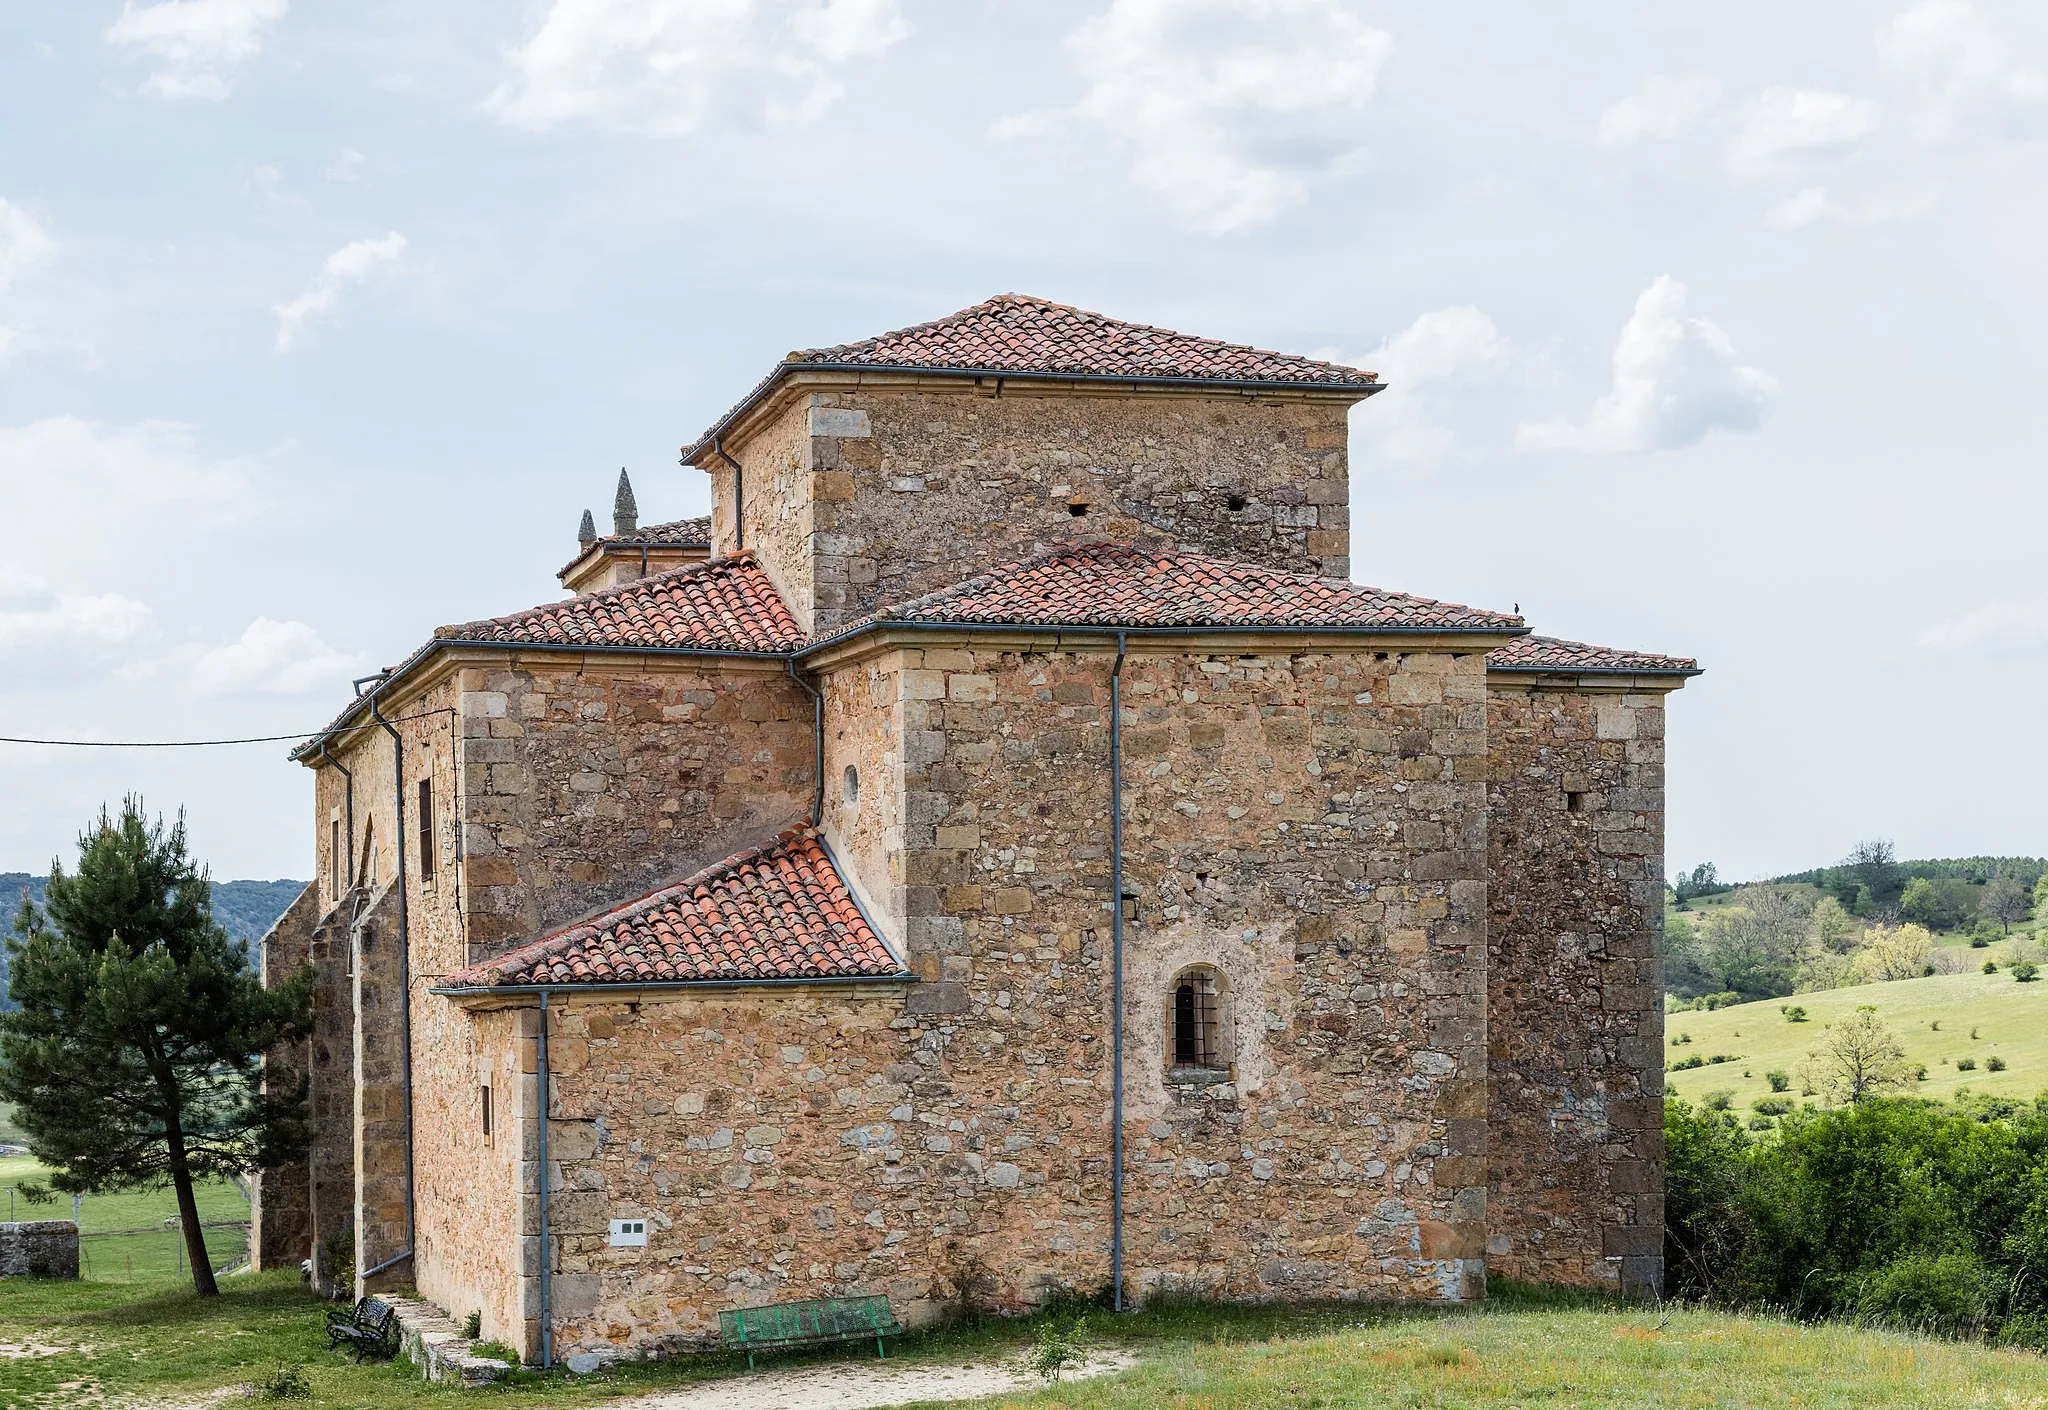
(211, 743)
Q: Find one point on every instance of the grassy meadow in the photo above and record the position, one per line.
(155, 1344)
(1978, 1016)
(128, 1257)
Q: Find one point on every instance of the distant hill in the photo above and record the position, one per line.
(245, 909)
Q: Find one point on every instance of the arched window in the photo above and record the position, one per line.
(1196, 1018)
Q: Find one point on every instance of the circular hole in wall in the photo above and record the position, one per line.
(849, 784)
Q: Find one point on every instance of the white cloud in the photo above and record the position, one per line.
(279, 658)
(1662, 108)
(198, 41)
(24, 245)
(1791, 130)
(1404, 425)
(671, 68)
(34, 613)
(1676, 378)
(2012, 623)
(351, 264)
(61, 477)
(1225, 109)
(1962, 71)
(346, 166)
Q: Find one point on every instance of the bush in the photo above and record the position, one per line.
(1724, 1057)
(1686, 1063)
(1683, 1038)
(1761, 1123)
(2029, 1331)
(2025, 971)
(1795, 1013)
(1991, 966)
(473, 1325)
(1948, 1295)
(1994, 1063)
(1719, 1101)
(1966, 1064)
(1058, 1345)
(1772, 1106)
(285, 1383)
(1780, 1081)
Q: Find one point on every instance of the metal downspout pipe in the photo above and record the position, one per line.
(739, 496)
(1116, 982)
(817, 743)
(404, 973)
(547, 1321)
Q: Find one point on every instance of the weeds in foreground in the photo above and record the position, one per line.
(1058, 1345)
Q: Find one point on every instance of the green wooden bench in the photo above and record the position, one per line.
(813, 1323)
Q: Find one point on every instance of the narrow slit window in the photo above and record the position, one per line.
(1197, 1030)
(484, 1107)
(337, 871)
(426, 814)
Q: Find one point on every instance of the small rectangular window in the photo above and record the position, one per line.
(426, 812)
(336, 871)
(484, 1104)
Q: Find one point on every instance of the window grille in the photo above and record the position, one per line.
(1197, 1031)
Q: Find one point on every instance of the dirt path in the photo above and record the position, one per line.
(864, 1387)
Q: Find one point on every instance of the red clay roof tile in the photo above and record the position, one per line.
(1549, 653)
(1117, 585)
(727, 604)
(779, 911)
(1019, 333)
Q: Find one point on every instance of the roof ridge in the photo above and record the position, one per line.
(726, 566)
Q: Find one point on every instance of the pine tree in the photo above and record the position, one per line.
(134, 1058)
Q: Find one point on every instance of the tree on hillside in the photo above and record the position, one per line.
(133, 1059)
(1859, 1058)
(2005, 901)
(1873, 876)
(1831, 929)
(1895, 952)
(1752, 948)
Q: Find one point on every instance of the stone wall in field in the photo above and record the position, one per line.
(1575, 1011)
(39, 1248)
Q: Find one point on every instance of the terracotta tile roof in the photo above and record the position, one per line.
(727, 604)
(1549, 653)
(1117, 585)
(1019, 333)
(780, 911)
(682, 531)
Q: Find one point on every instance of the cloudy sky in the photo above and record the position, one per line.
(1710, 330)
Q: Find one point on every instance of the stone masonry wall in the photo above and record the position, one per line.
(1313, 826)
(863, 497)
(1576, 1018)
(331, 1100)
(586, 781)
(281, 1214)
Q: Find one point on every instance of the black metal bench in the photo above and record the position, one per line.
(371, 1327)
(813, 1323)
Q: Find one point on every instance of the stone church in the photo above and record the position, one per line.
(999, 850)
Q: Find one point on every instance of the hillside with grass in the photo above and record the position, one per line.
(1981, 1033)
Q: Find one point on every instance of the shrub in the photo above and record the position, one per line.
(1726, 999)
(1772, 1106)
(1978, 942)
(473, 1325)
(1724, 1057)
(1795, 1013)
(1948, 1295)
(1966, 1064)
(2025, 971)
(1683, 1038)
(1761, 1123)
(1780, 1081)
(1685, 1063)
(285, 1383)
(1991, 966)
(1058, 1345)
(1718, 1100)
(1994, 1063)
(2029, 1330)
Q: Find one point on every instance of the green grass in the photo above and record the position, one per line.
(2010, 1020)
(129, 1257)
(157, 1344)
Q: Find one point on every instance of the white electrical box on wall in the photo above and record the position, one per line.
(629, 1233)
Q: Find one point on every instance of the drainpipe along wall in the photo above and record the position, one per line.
(404, 975)
(547, 1258)
(1116, 982)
